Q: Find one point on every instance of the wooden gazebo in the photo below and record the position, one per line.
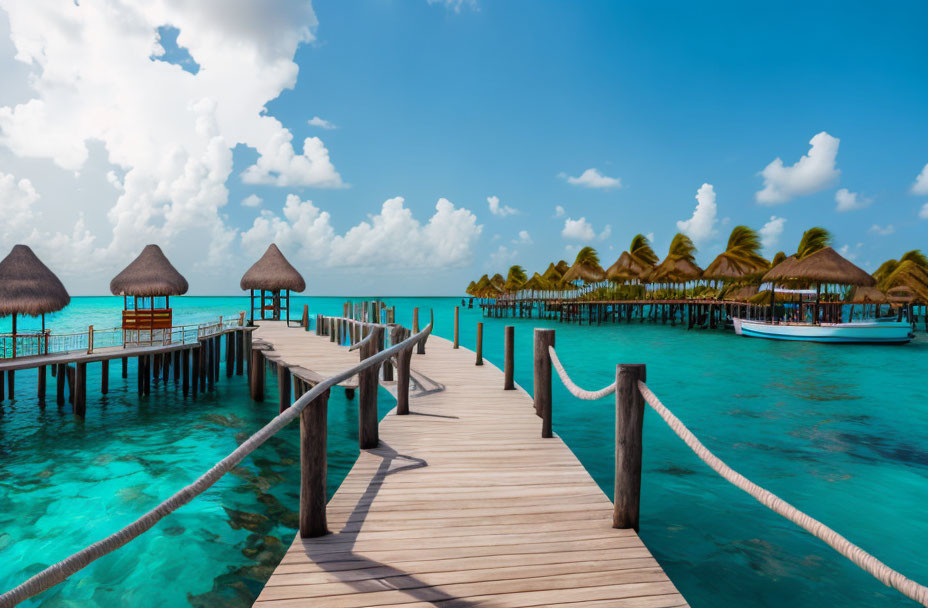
(28, 287)
(146, 286)
(273, 278)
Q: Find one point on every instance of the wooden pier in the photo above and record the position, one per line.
(462, 503)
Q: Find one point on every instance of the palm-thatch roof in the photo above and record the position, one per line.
(626, 268)
(27, 286)
(867, 295)
(902, 294)
(273, 273)
(675, 270)
(741, 294)
(824, 266)
(728, 268)
(150, 275)
(588, 273)
(537, 283)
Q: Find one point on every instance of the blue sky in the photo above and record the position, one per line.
(465, 101)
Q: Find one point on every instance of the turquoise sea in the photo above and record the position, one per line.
(837, 430)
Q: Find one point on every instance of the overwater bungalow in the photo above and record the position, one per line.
(27, 287)
(146, 286)
(274, 278)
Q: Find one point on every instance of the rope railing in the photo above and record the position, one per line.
(58, 572)
(626, 407)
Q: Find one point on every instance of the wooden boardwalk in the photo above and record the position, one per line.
(463, 504)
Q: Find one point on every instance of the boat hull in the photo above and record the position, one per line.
(863, 332)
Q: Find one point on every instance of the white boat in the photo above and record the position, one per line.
(855, 332)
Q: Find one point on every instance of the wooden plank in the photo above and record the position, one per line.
(463, 503)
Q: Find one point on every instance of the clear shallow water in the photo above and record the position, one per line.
(836, 430)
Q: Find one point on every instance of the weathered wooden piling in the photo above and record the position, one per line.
(479, 360)
(10, 383)
(283, 386)
(314, 467)
(629, 416)
(542, 377)
(387, 366)
(185, 371)
(239, 352)
(59, 384)
(257, 375)
(194, 371)
(368, 434)
(403, 360)
(508, 357)
(125, 367)
(230, 354)
(457, 323)
(40, 384)
(80, 389)
(104, 376)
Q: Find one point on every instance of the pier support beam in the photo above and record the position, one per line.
(457, 323)
(542, 376)
(80, 389)
(313, 467)
(368, 432)
(230, 354)
(257, 375)
(194, 355)
(104, 376)
(125, 367)
(629, 415)
(185, 370)
(403, 359)
(10, 383)
(59, 384)
(508, 357)
(239, 352)
(283, 385)
(40, 385)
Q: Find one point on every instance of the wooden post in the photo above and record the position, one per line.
(104, 376)
(125, 367)
(10, 381)
(239, 352)
(59, 382)
(333, 329)
(177, 370)
(40, 383)
(230, 354)
(283, 385)
(166, 367)
(542, 364)
(202, 356)
(402, 381)
(185, 370)
(80, 389)
(257, 375)
(415, 320)
(388, 365)
(194, 355)
(509, 348)
(368, 433)
(146, 385)
(210, 345)
(420, 346)
(479, 344)
(457, 319)
(313, 467)
(629, 415)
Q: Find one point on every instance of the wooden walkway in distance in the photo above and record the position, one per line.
(464, 504)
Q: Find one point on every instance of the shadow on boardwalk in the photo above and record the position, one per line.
(320, 551)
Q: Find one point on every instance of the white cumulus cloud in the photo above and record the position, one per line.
(921, 182)
(849, 201)
(503, 257)
(559, 211)
(924, 212)
(592, 178)
(580, 230)
(500, 210)
(391, 238)
(524, 238)
(701, 226)
(252, 200)
(606, 233)
(771, 231)
(811, 173)
(882, 230)
(315, 121)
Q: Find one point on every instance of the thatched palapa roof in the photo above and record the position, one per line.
(27, 286)
(626, 268)
(867, 295)
(150, 275)
(725, 268)
(823, 266)
(675, 270)
(273, 273)
(588, 273)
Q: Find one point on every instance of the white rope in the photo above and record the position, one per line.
(575, 390)
(60, 571)
(875, 567)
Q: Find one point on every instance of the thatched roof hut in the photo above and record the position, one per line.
(150, 275)
(727, 268)
(675, 270)
(28, 287)
(867, 295)
(901, 294)
(824, 266)
(588, 273)
(626, 268)
(741, 294)
(273, 273)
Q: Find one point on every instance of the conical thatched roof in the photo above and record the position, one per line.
(588, 273)
(727, 268)
(626, 268)
(902, 294)
(867, 295)
(150, 275)
(273, 273)
(824, 266)
(675, 270)
(537, 283)
(741, 294)
(27, 286)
